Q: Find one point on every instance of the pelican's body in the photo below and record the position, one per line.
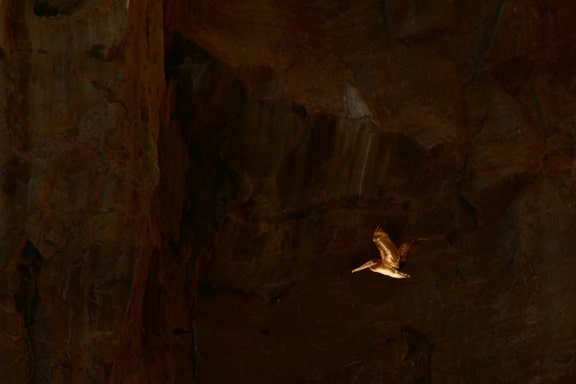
(390, 256)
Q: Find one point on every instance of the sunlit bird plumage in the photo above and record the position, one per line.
(390, 256)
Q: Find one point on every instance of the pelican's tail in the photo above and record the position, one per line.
(365, 265)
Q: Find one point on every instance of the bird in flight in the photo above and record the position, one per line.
(390, 256)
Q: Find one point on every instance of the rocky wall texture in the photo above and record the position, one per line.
(82, 83)
(186, 185)
(449, 119)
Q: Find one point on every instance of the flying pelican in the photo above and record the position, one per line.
(390, 256)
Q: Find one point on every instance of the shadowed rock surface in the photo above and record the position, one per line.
(186, 185)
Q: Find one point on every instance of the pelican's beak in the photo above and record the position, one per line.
(365, 266)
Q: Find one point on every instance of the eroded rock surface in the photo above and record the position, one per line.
(434, 120)
(78, 170)
(186, 185)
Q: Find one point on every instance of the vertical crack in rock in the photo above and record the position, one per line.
(469, 212)
(544, 4)
(418, 360)
(384, 18)
(542, 120)
(33, 316)
(196, 188)
(194, 340)
(489, 36)
(16, 71)
(226, 189)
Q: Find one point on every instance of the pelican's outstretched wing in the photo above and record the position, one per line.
(406, 247)
(388, 251)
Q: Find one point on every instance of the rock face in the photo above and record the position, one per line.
(79, 167)
(186, 186)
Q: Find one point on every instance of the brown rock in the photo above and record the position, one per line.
(79, 167)
(185, 186)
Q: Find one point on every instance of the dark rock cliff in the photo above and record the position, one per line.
(186, 185)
